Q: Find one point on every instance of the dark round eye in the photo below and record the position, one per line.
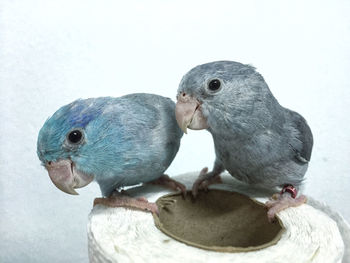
(214, 85)
(75, 136)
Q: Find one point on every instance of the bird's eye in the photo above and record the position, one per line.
(214, 85)
(75, 137)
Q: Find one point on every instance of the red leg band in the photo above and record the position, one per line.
(290, 189)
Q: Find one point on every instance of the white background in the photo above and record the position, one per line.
(53, 52)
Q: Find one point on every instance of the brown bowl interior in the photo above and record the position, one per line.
(217, 220)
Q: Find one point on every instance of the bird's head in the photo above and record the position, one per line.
(64, 141)
(217, 93)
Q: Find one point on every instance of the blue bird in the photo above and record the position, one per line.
(115, 141)
(256, 139)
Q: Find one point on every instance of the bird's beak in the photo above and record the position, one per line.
(64, 176)
(188, 113)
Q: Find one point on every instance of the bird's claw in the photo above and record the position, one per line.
(279, 202)
(199, 181)
(166, 181)
(153, 208)
(119, 200)
(164, 203)
(204, 180)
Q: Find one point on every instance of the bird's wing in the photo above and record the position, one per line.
(303, 153)
(154, 126)
(144, 109)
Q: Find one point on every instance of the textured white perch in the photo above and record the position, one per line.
(123, 235)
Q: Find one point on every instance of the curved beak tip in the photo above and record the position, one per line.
(61, 175)
(189, 114)
(182, 124)
(73, 192)
(66, 188)
(183, 114)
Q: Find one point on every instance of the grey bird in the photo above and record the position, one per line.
(256, 139)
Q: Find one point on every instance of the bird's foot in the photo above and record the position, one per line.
(121, 200)
(204, 180)
(167, 182)
(287, 198)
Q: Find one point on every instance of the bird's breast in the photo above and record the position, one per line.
(248, 154)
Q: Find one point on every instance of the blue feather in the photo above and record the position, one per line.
(127, 140)
(78, 119)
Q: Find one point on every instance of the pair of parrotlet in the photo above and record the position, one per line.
(133, 139)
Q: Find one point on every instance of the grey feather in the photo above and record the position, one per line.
(256, 139)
